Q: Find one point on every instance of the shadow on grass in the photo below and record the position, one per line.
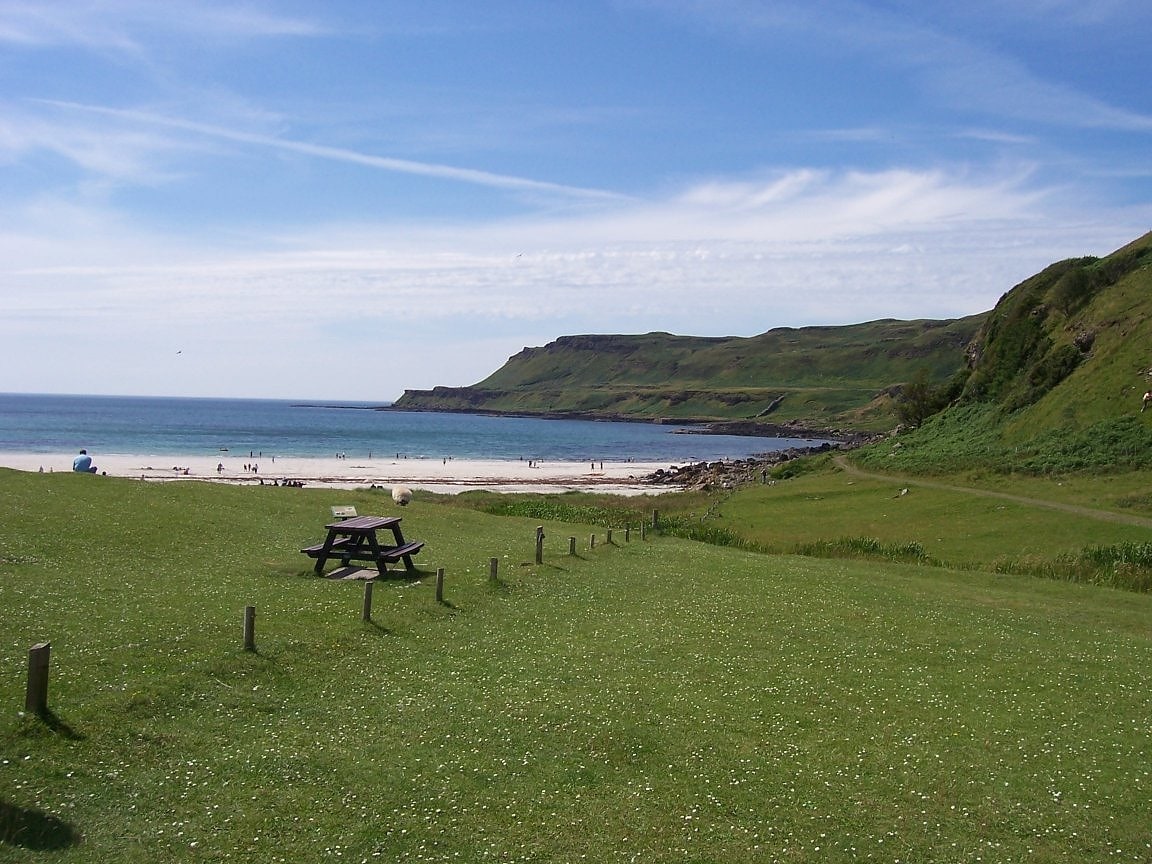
(47, 720)
(34, 829)
(378, 629)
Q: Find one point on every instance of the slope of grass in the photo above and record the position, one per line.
(659, 700)
(819, 376)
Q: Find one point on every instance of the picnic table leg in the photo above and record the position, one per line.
(322, 558)
(409, 567)
(377, 553)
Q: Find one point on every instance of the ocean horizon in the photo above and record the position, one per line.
(185, 426)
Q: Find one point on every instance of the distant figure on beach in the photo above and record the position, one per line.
(83, 463)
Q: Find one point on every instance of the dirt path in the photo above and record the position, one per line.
(1088, 512)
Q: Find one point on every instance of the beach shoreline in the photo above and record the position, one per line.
(446, 475)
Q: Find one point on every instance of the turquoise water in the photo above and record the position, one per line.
(174, 426)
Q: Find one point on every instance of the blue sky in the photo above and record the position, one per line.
(346, 199)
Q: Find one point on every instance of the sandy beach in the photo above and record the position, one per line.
(435, 475)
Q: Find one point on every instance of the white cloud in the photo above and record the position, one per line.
(325, 152)
(447, 304)
(126, 25)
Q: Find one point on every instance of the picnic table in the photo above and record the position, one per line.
(356, 539)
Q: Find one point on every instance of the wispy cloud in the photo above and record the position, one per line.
(965, 74)
(339, 154)
(116, 25)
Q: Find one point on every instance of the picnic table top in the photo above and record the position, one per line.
(363, 523)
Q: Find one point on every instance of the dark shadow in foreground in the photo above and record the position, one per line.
(34, 829)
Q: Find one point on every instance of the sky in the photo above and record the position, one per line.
(343, 200)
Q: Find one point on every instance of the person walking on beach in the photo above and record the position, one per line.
(83, 463)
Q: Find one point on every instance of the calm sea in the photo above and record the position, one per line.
(172, 426)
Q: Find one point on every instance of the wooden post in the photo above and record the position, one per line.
(627, 533)
(36, 699)
(366, 615)
(655, 518)
(439, 584)
(643, 531)
(592, 542)
(571, 545)
(609, 537)
(539, 544)
(493, 569)
(249, 628)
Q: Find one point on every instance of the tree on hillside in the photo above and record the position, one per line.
(920, 399)
(1071, 290)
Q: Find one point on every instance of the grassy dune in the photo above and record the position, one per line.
(657, 700)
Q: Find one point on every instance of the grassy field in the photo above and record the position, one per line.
(656, 700)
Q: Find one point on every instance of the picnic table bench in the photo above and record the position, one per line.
(355, 539)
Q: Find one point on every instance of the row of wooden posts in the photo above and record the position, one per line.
(39, 655)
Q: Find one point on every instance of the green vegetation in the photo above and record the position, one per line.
(851, 666)
(1048, 382)
(658, 700)
(819, 377)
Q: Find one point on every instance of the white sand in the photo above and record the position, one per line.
(436, 475)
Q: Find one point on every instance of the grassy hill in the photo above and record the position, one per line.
(1060, 354)
(649, 700)
(1055, 379)
(818, 377)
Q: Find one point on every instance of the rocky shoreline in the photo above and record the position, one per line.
(727, 474)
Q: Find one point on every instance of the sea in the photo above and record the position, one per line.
(137, 425)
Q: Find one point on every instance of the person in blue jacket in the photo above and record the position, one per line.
(83, 463)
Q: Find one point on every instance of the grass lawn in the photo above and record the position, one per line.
(655, 700)
(955, 527)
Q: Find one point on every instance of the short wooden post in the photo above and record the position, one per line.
(249, 628)
(493, 569)
(539, 544)
(366, 615)
(609, 541)
(643, 531)
(571, 545)
(627, 533)
(439, 584)
(592, 542)
(36, 699)
(655, 518)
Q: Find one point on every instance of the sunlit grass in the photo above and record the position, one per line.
(647, 701)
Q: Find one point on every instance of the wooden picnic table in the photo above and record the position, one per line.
(356, 539)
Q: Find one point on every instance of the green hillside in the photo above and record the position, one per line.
(1055, 378)
(821, 377)
(1059, 364)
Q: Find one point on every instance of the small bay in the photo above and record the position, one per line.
(41, 423)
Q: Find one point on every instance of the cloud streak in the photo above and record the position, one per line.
(112, 25)
(339, 154)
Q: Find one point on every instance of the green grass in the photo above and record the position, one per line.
(660, 700)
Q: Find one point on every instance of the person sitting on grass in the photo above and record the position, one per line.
(83, 463)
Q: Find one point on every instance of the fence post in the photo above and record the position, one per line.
(249, 628)
(36, 699)
(655, 518)
(539, 544)
(609, 540)
(592, 542)
(571, 545)
(493, 569)
(627, 533)
(366, 615)
(439, 584)
(643, 531)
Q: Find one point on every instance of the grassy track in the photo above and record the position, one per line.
(646, 701)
